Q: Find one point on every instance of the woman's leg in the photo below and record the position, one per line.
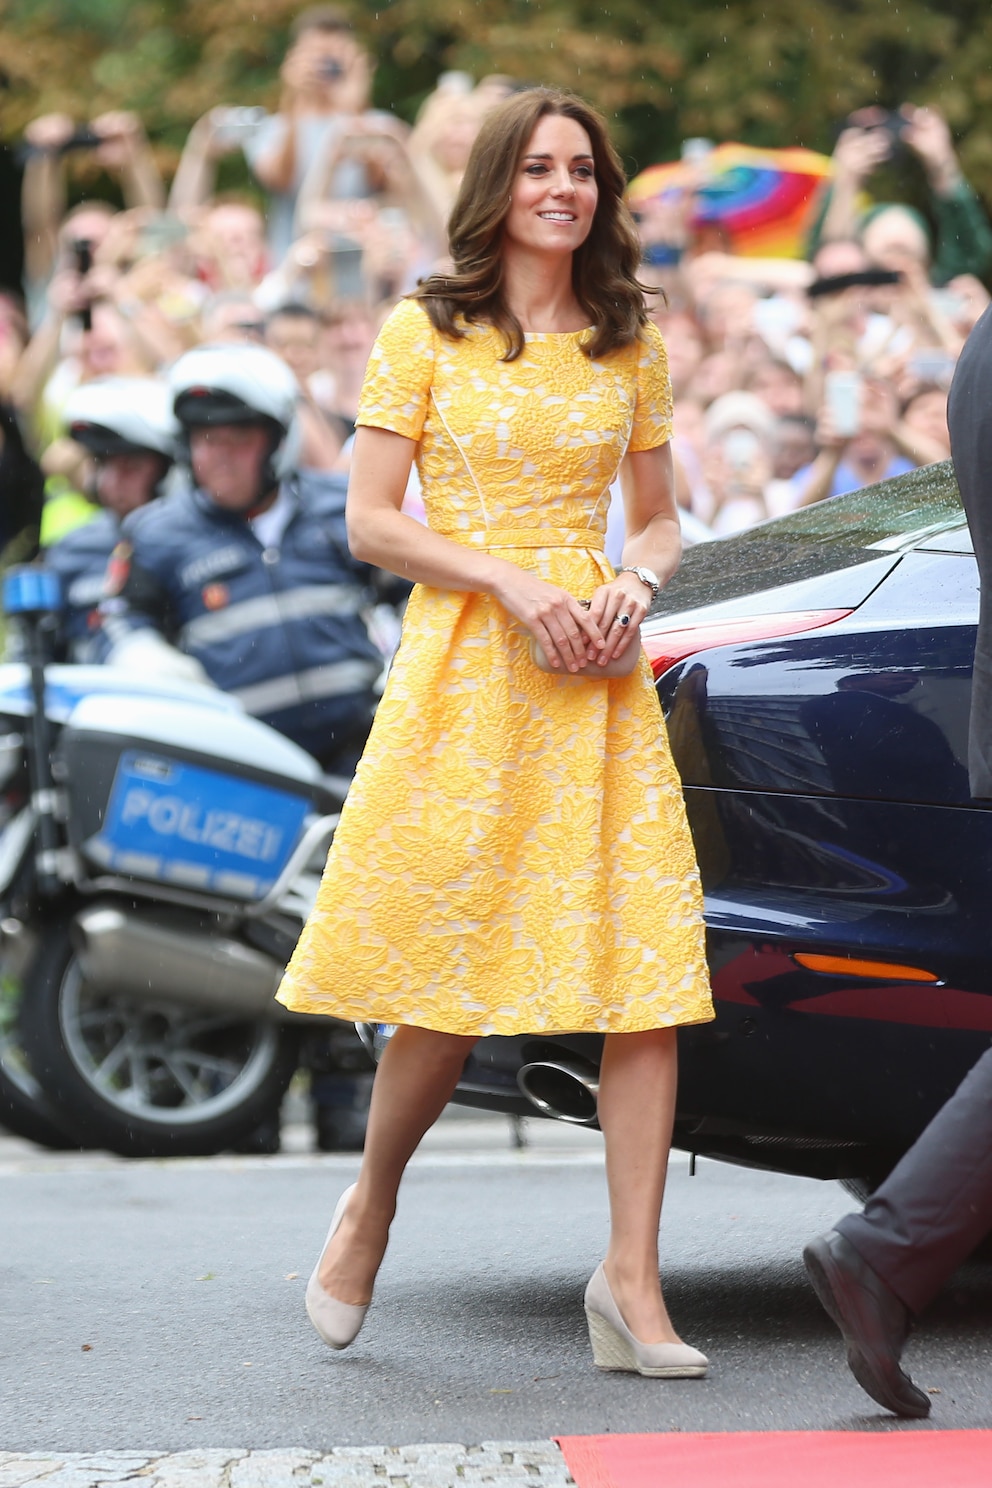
(414, 1082)
(636, 1110)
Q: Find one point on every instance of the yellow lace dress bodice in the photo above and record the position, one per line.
(513, 856)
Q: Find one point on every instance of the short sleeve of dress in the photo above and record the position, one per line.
(653, 411)
(398, 377)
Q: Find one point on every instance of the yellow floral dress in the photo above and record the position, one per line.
(513, 856)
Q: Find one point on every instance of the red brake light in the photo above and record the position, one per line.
(665, 647)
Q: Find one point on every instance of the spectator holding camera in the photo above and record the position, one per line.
(895, 235)
(119, 145)
(858, 437)
(326, 85)
(92, 324)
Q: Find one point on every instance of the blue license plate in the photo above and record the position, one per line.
(196, 828)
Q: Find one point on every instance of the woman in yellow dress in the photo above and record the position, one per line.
(513, 856)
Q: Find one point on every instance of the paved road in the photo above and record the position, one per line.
(159, 1306)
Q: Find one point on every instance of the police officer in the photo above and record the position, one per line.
(128, 427)
(247, 572)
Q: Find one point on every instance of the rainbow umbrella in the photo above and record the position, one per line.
(762, 200)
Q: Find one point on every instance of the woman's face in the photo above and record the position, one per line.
(554, 196)
(927, 414)
(457, 132)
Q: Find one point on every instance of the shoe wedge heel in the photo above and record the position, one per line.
(615, 1347)
(608, 1349)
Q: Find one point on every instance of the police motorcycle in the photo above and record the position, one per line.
(159, 853)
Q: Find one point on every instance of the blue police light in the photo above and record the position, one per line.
(31, 591)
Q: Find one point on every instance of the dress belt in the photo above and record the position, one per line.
(528, 537)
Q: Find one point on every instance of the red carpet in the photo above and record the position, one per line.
(782, 1459)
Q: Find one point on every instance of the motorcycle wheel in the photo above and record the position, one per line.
(24, 1108)
(149, 1079)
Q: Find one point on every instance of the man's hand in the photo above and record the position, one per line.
(927, 134)
(49, 132)
(66, 293)
(858, 152)
(122, 134)
(879, 407)
(208, 135)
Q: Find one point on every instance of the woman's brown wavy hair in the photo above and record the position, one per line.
(604, 268)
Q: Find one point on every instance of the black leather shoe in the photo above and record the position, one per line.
(874, 1322)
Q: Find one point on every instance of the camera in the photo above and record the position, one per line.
(329, 70)
(80, 139)
(82, 253)
(875, 120)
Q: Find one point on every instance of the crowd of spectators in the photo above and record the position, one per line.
(797, 380)
(794, 380)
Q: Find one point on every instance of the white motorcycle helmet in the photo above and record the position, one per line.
(239, 384)
(123, 416)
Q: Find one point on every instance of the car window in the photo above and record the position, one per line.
(843, 532)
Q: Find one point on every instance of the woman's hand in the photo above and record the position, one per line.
(623, 596)
(567, 633)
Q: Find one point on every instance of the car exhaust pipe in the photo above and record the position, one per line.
(127, 955)
(566, 1089)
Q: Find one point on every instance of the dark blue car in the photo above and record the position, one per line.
(815, 673)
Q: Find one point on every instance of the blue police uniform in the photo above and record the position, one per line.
(80, 561)
(280, 627)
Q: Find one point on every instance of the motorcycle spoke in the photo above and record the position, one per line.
(104, 1072)
(184, 1078)
(140, 1080)
(212, 1063)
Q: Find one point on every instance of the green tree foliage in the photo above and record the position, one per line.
(761, 71)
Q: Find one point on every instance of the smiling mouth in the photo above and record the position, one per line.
(557, 216)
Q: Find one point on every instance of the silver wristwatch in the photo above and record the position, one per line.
(646, 575)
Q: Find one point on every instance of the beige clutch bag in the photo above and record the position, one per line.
(617, 666)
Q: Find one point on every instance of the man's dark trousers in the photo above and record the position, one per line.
(936, 1204)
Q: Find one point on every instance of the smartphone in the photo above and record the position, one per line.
(948, 303)
(842, 391)
(161, 233)
(456, 83)
(695, 150)
(234, 126)
(741, 448)
(931, 364)
(393, 218)
(347, 275)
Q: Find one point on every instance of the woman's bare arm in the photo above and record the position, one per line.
(654, 537)
(654, 540)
